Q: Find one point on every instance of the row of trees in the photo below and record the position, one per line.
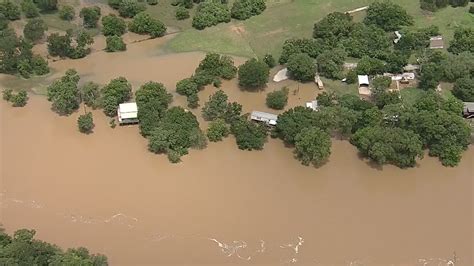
(434, 5)
(11, 11)
(23, 249)
(73, 44)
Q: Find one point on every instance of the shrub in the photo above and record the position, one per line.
(113, 25)
(152, 2)
(182, 13)
(85, 123)
(7, 94)
(29, 9)
(115, 44)
(67, 12)
(244, 9)
(144, 24)
(269, 60)
(34, 29)
(217, 130)
(253, 74)
(312, 145)
(301, 67)
(20, 99)
(47, 5)
(277, 99)
(249, 135)
(90, 93)
(39, 65)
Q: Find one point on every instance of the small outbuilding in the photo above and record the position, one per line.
(319, 82)
(364, 88)
(398, 35)
(127, 113)
(313, 105)
(436, 42)
(267, 118)
(468, 111)
(281, 75)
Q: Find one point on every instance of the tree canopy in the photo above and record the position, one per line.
(152, 100)
(210, 13)
(113, 25)
(143, 23)
(277, 99)
(301, 67)
(387, 15)
(64, 93)
(116, 92)
(463, 41)
(312, 145)
(244, 9)
(216, 106)
(253, 74)
(90, 16)
(249, 135)
(34, 29)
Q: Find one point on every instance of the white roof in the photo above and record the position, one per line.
(262, 115)
(313, 105)
(363, 80)
(281, 75)
(127, 111)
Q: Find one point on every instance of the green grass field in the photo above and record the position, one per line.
(285, 19)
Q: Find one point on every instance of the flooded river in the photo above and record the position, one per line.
(220, 206)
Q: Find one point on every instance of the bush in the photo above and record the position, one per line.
(29, 9)
(90, 16)
(471, 10)
(244, 9)
(249, 135)
(144, 24)
(113, 25)
(67, 12)
(18, 100)
(64, 94)
(115, 4)
(301, 67)
(388, 16)
(269, 60)
(210, 14)
(253, 74)
(85, 123)
(278, 99)
(152, 2)
(464, 89)
(182, 13)
(39, 65)
(115, 44)
(47, 5)
(217, 130)
(10, 10)
(130, 8)
(7, 94)
(34, 29)
(216, 106)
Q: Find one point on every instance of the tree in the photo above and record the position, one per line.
(293, 121)
(7, 94)
(39, 65)
(152, 100)
(3, 22)
(47, 5)
(388, 16)
(181, 13)
(67, 12)
(115, 4)
(312, 145)
(175, 134)
(83, 40)
(464, 89)
(269, 60)
(116, 92)
(370, 66)
(463, 41)
(232, 112)
(333, 28)
(29, 9)
(396, 61)
(90, 16)
(20, 99)
(389, 145)
(143, 23)
(217, 130)
(215, 66)
(10, 10)
(62, 45)
(301, 67)
(295, 46)
(79, 256)
(216, 106)
(458, 66)
(187, 87)
(249, 135)
(113, 25)
(277, 99)
(34, 29)
(380, 94)
(327, 99)
(59, 45)
(245, 9)
(64, 94)
(366, 40)
(429, 76)
(330, 63)
(130, 8)
(209, 14)
(457, 3)
(152, 2)
(253, 74)
(90, 94)
(85, 123)
(433, 5)
(416, 39)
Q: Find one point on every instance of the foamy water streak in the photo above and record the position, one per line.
(232, 249)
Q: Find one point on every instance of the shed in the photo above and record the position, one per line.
(363, 80)
(398, 35)
(281, 75)
(436, 42)
(127, 113)
(468, 111)
(411, 68)
(267, 118)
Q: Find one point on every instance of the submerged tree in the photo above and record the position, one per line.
(312, 145)
(64, 94)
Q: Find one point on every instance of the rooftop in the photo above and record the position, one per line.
(436, 42)
(363, 80)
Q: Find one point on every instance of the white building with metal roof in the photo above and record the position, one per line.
(127, 113)
(267, 118)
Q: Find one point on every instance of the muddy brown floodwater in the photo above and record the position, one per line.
(220, 206)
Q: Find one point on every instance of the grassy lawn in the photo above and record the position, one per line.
(285, 19)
